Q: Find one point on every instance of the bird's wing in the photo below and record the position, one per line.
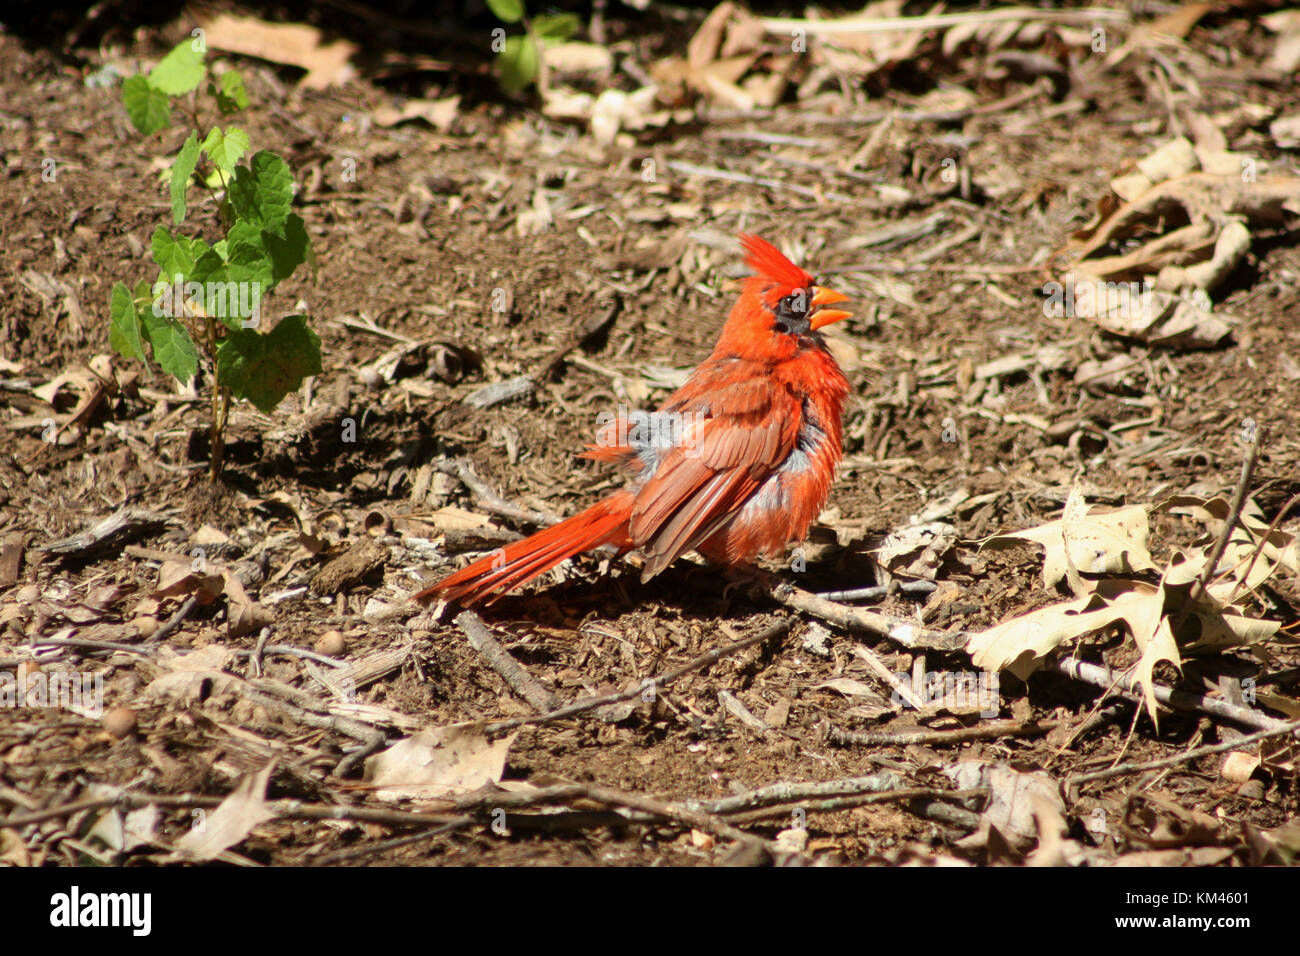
(736, 431)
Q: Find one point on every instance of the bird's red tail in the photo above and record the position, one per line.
(507, 568)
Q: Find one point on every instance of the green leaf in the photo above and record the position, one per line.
(262, 191)
(265, 368)
(182, 170)
(231, 290)
(519, 63)
(124, 331)
(173, 348)
(149, 108)
(174, 256)
(226, 147)
(290, 250)
(209, 264)
(179, 71)
(231, 95)
(248, 274)
(556, 27)
(507, 11)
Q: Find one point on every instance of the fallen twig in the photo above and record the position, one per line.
(1238, 502)
(591, 703)
(1263, 541)
(1101, 676)
(1290, 727)
(988, 731)
(461, 469)
(697, 819)
(785, 793)
(941, 21)
(912, 588)
(896, 629)
(849, 801)
(514, 674)
(176, 620)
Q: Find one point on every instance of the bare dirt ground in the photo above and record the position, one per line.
(474, 253)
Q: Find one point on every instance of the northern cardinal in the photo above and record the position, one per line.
(738, 461)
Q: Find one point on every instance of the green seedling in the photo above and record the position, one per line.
(205, 305)
(519, 58)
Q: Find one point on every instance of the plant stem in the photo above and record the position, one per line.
(220, 414)
(220, 404)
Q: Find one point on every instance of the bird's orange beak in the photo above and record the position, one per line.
(823, 316)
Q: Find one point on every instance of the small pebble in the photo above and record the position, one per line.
(120, 722)
(331, 644)
(146, 625)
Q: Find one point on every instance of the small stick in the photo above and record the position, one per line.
(988, 731)
(941, 21)
(1234, 514)
(287, 650)
(255, 660)
(461, 468)
(742, 713)
(674, 812)
(850, 801)
(365, 849)
(783, 793)
(778, 629)
(826, 168)
(1291, 727)
(87, 642)
(1254, 555)
(292, 809)
(522, 682)
(771, 139)
(913, 588)
(707, 172)
(856, 619)
(175, 621)
(1102, 676)
(889, 677)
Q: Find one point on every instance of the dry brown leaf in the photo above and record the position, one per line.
(193, 676)
(245, 808)
(1012, 796)
(185, 577)
(1100, 542)
(1020, 644)
(917, 550)
(437, 113)
(436, 763)
(1280, 552)
(327, 64)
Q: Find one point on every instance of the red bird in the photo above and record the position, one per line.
(737, 463)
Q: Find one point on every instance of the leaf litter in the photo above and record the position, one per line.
(1031, 402)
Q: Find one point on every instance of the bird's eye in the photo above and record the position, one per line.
(792, 313)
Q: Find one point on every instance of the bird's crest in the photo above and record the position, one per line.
(766, 260)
